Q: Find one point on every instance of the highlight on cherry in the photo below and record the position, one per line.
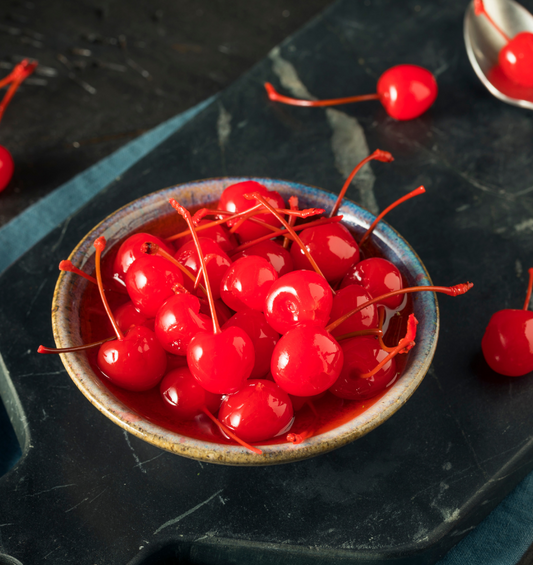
(255, 322)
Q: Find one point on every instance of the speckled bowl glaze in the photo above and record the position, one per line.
(66, 326)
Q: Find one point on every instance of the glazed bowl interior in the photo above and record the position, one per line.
(151, 208)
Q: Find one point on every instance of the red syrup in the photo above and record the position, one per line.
(332, 411)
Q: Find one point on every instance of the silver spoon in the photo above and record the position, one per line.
(483, 43)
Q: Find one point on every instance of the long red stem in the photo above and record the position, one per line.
(413, 193)
(68, 267)
(529, 288)
(228, 432)
(184, 213)
(455, 290)
(99, 245)
(21, 75)
(276, 97)
(43, 349)
(403, 346)
(479, 9)
(293, 203)
(378, 155)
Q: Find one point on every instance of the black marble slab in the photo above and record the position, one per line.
(86, 492)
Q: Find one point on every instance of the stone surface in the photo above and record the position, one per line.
(86, 492)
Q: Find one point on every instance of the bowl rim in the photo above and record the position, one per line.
(67, 334)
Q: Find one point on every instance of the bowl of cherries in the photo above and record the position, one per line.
(246, 321)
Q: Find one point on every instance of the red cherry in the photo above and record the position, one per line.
(247, 282)
(137, 362)
(6, 167)
(333, 248)
(130, 250)
(298, 297)
(406, 92)
(361, 355)
(508, 340)
(377, 276)
(184, 396)
(348, 299)
(127, 316)
(178, 321)
(217, 262)
(306, 361)
(259, 411)
(150, 280)
(516, 59)
(263, 337)
(219, 234)
(273, 252)
(233, 200)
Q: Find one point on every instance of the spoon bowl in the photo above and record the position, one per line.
(483, 44)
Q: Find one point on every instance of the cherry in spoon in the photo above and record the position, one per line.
(405, 91)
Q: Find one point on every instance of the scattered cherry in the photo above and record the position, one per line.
(508, 340)
(405, 91)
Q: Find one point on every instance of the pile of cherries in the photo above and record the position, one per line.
(249, 317)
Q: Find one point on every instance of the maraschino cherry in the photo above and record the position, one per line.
(516, 57)
(406, 92)
(508, 340)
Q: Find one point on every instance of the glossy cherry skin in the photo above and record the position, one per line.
(361, 355)
(273, 252)
(136, 362)
(346, 300)
(247, 282)
(184, 397)
(377, 276)
(221, 362)
(407, 91)
(259, 411)
(131, 249)
(263, 337)
(508, 342)
(178, 321)
(233, 200)
(127, 316)
(217, 263)
(306, 361)
(333, 248)
(516, 59)
(150, 280)
(219, 234)
(7, 167)
(298, 297)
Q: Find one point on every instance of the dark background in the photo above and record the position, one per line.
(110, 70)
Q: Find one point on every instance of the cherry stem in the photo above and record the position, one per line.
(16, 78)
(99, 245)
(276, 97)
(378, 155)
(43, 349)
(200, 270)
(404, 345)
(381, 314)
(184, 213)
(413, 193)
(289, 228)
(151, 248)
(479, 9)
(529, 288)
(293, 203)
(228, 432)
(455, 290)
(284, 233)
(371, 331)
(68, 267)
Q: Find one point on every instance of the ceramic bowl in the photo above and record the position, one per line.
(67, 328)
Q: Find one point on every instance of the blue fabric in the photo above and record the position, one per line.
(501, 539)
